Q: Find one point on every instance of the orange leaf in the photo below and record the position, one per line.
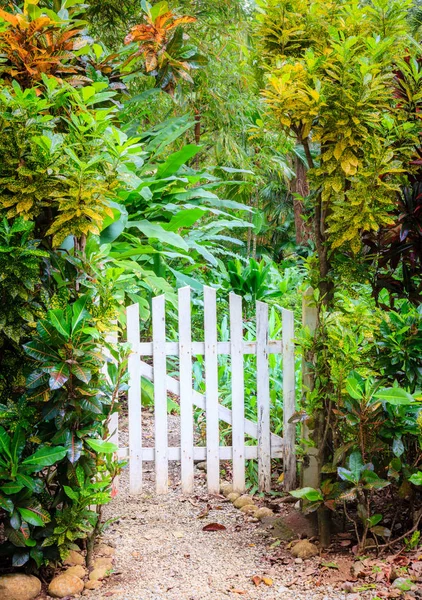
(267, 580)
(214, 527)
(257, 580)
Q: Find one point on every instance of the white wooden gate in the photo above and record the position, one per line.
(269, 445)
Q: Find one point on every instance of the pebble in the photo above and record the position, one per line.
(77, 570)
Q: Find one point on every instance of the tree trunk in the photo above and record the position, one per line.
(300, 186)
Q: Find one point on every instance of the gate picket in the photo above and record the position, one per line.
(134, 401)
(289, 402)
(186, 405)
(160, 394)
(263, 398)
(238, 393)
(211, 393)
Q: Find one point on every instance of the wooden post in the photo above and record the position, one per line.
(211, 393)
(289, 401)
(310, 470)
(263, 398)
(134, 401)
(238, 393)
(185, 368)
(160, 393)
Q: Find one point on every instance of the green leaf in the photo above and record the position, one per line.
(356, 465)
(6, 503)
(395, 396)
(416, 478)
(102, 446)
(33, 516)
(59, 375)
(82, 373)
(155, 231)
(381, 531)
(11, 487)
(58, 319)
(20, 558)
(79, 312)
(184, 218)
(309, 493)
(45, 457)
(40, 352)
(4, 443)
(353, 388)
(176, 160)
(71, 493)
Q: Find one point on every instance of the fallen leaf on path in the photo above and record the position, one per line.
(214, 527)
(267, 580)
(345, 543)
(240, 592)
(330, 565)
(204, 513)
(257, 580)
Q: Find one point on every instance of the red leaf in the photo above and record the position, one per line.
(214, 527)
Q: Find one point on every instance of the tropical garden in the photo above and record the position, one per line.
(270, 148)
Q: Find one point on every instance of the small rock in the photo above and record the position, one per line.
(65, 585)
(74, 558)
(93, 585)
(242, 501)
(17, 586)
(233, 496)
(104, 550)
(348, 587)
(304, 549)
(226, 488)
(202, 466)
(101, 562)
(263, 512)
(358, 570)
(77, 570)
(298, 561)
(98, 573)
(249, 509)
(297, 505)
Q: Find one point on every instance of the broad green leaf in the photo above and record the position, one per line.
(353, 388)
(102, 446)
(155, 231)
(176, 160)
(416, 478)
(11, 487)
(6, 503)
(79, 312)
(20, 558)
(308, 493)
(59, 375)
(184, 218)
(40, 352)
(45, 457)
(82, 373)
(34, 516)
(356, 465)
(4, 443)
(395, 396)
(58, 319)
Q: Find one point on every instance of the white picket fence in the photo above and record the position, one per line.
(269, 445)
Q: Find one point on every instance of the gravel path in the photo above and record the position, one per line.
(162, 553)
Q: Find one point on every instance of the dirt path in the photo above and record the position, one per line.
(162, 552)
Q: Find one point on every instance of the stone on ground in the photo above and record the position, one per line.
(304, 549)
(65, 585)
(263, 512)
(77, 570)
(202, 466)
(291, 527)
(104, 550)
(249, 509)
(243, 501)
(226, 488)
(233, 496)
(103, 562)
(93, 585)
(98, 573)
(17, 586)
(74, 558)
